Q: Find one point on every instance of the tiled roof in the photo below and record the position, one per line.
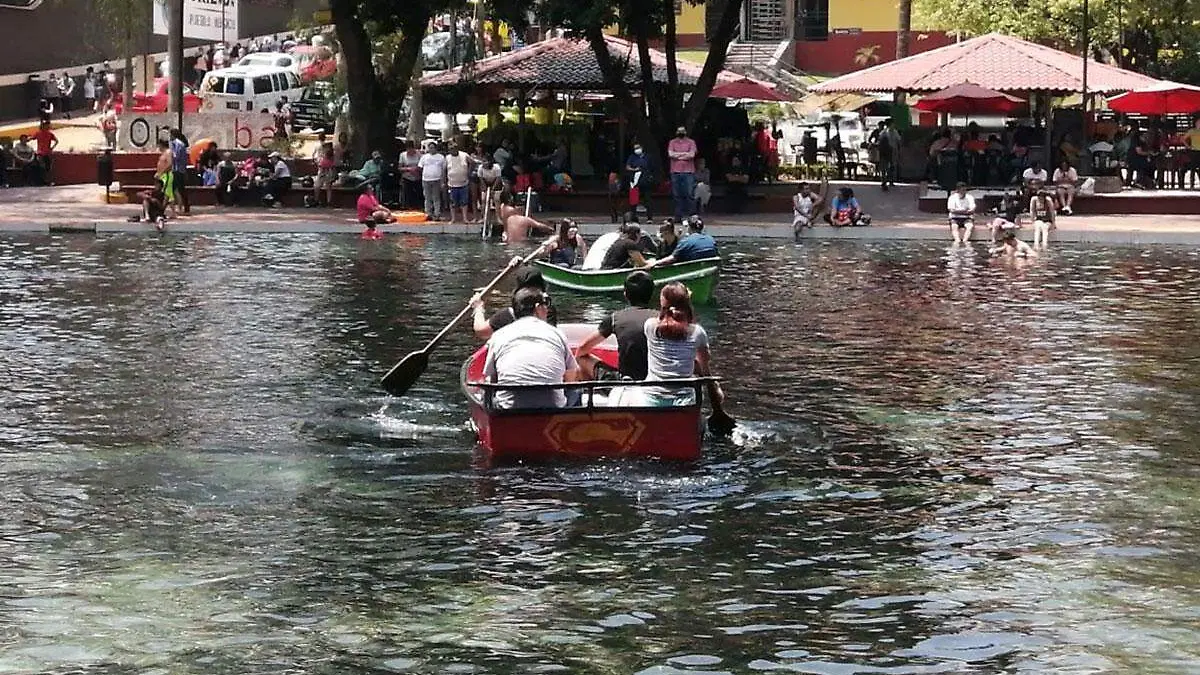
(561, 63)
(995, 61)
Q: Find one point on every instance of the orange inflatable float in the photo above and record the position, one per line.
(409, 217)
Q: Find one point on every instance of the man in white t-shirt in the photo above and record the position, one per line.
(458, 175)
(530, 351)
(1065, 178)
(281, 180)
(1035, 174)
(433, 178)
(961, 207)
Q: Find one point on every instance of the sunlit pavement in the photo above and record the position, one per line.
(82, 208)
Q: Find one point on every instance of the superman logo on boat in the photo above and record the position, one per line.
(606, 433)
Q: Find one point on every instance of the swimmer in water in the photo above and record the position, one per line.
(1011, 247)
(518, 226)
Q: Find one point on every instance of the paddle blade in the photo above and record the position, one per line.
(721, 424)
(403, 375)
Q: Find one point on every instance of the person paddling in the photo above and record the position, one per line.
(527, 277)
(628, 325)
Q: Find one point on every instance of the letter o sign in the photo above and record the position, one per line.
(139, 133)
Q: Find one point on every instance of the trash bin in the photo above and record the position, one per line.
(33, 95)
(104, 168)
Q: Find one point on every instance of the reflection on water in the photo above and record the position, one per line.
(946, 464)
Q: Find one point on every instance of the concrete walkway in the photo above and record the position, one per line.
(82, 209)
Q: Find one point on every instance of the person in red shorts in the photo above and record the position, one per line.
(46, 143)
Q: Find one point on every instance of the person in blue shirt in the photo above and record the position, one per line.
(695, 246)
(179, 169)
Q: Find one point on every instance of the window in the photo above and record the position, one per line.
(293, 80)
(215, 84)
(277, 80)
(262, 84)
(235, 86)
(812, 20)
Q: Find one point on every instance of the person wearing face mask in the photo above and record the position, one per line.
(637, 171)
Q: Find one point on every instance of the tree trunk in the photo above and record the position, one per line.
(127, 76)
(651, 96)
(635, 112)
(727, 27)
(174, 56)
(416, 114)
(904, 29)
(673, 100)
(376, 98)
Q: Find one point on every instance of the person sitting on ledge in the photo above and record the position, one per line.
(846, 211)
(370, 211)
(736, 180)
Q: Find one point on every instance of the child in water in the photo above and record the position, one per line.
(1011, 247)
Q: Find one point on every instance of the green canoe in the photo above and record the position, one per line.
(698, 275)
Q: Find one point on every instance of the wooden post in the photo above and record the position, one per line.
(521, 94)
(1048, 152)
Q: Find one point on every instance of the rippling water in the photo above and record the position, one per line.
(945, 465)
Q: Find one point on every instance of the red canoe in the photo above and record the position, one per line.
(588, 431)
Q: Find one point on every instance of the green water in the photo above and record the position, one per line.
(944, 465)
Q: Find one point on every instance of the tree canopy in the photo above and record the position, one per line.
(1157, 37)
(661, 106)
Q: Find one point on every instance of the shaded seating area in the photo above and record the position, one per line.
(1041, 77)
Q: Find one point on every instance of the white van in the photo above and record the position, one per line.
(249, 89)
(268, 59)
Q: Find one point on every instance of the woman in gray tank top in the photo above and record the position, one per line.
(676, 346)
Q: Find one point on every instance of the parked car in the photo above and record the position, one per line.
(315, 108)
(435, 50)
(315, 63)
(158, 100)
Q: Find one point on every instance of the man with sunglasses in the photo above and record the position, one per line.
(530, 351)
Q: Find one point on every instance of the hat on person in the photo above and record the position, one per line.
(274, 155)
(528, 276)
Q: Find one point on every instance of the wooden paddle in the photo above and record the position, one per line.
(719, 423)
(403, 375)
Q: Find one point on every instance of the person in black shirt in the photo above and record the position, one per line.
(527, 277)
(627, 324)
(668, 239)
(626, 251)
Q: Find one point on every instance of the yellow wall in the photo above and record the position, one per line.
(688, 22)
(868, 15)
(691, 20)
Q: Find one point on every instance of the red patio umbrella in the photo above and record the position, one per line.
(747, 89)
(969, 99)
(1164, 98)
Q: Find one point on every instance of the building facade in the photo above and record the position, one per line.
(829, 37)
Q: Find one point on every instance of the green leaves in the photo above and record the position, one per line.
(1155, 36)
